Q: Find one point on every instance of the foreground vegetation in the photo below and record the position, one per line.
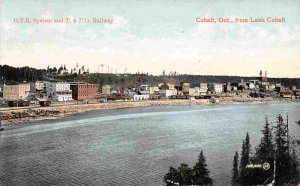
(184, 175)
(274, 160)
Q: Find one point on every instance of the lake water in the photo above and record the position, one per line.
(134, 146)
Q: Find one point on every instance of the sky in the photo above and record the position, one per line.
(152, 36)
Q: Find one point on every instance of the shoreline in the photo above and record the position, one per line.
(21, 115)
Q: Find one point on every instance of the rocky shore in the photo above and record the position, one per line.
(41, 113)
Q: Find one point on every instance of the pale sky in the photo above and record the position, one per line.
(152, 36)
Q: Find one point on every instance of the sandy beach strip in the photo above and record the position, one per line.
(23, 114)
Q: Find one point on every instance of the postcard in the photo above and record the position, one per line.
(132, 92)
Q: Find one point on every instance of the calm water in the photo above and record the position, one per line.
(132, 146)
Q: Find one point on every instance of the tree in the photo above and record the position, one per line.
(54, 70)
(265, 154)
(201, 173)
(245, 174)
(276, 148)
(235, 170)
(60, 69)
(185, 175)
(285, 157)
(172, 176)
(265, 150)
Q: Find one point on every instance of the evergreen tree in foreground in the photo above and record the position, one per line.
(276, 148)
(235, 170)
(201, 173)
(184, 175)
(265, 153)
(245, 174)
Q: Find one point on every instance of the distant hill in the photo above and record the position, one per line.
(20, 74)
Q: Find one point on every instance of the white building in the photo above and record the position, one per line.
(59, 91)
(215, 87)
(140, 97)
(251, 85)
(167, 92)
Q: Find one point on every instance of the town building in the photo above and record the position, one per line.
(153, 90)
(215, 87)
(194, 92)
(250, 85)
(185, 88)
(203, 88)
(167, 92)
(118, 97)
(38, 87)
(58, 91)
(227, 87)
(141, 97)
(16, 92)
(106, 90)
(83, 91)
(144, 88)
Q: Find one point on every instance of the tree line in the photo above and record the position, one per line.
(20, 74)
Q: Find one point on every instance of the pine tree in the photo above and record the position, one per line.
(201, 173)
(282, 152)
(243, 161)
(172, 176)
(265, 150)
(286, 160)
(235, 170)
(265, 154)
(244, 175)
(185, 175)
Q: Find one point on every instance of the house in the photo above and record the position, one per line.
(194, 92)
(83, 91)
(227, 87)
(286, 94)
(271, 87)
(38, 87)
(215, 87)
(250, 85)
(58, 91)
(106, 90)
(279, 88)
(255, 81)
(171, 86)
(185, 88)
(203, 88)
(118, 97)
(141, 97)
(144, 88)
(16, 92)
(167, 90)
(153, 90)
